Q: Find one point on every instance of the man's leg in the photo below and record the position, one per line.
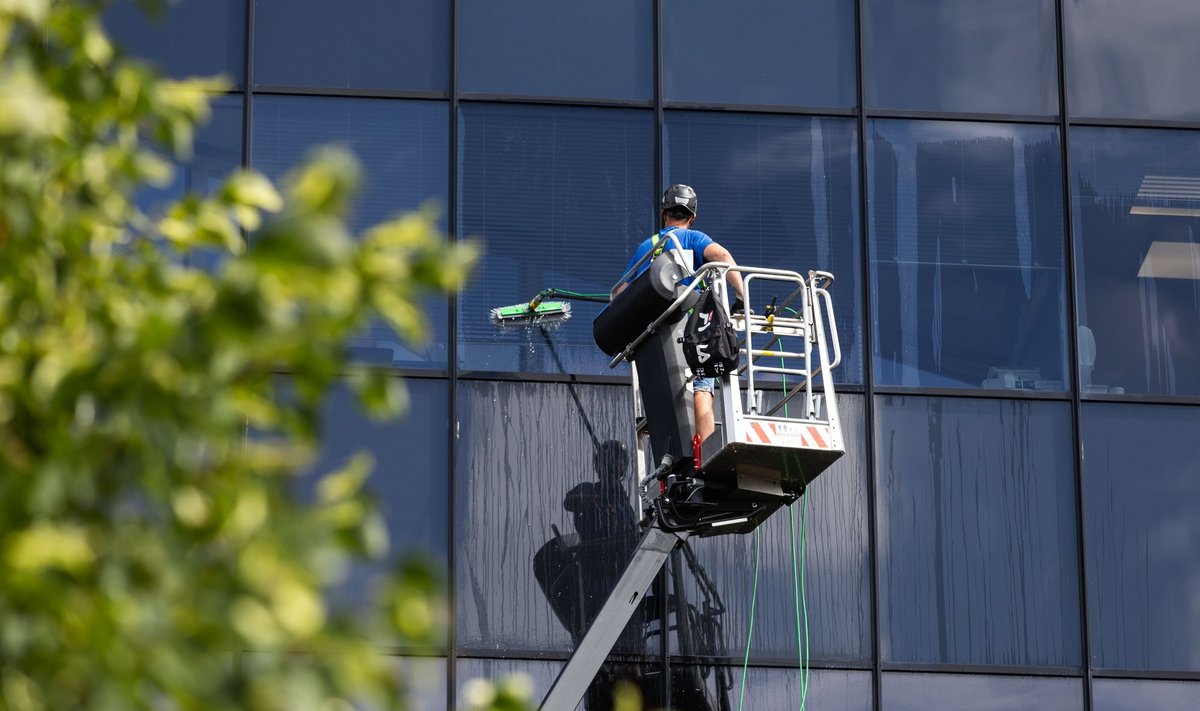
(702, 399)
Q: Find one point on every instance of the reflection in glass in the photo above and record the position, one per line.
(597, 50)
(978, 550)
(561, 196)
(546, 514)
(975, 692)
(826, 689)
(1132, 60)
(759, 52)
(978, 56)
(830, 527)
(1141, 489)
(1144, 695)
(369, 44)
(967, 255)
(192, 38)
(409, 479)
(781, 192)
(403, 149)
(1136, 213)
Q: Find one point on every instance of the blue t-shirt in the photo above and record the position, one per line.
(695, 240)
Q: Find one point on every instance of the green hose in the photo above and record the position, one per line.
(750, 635)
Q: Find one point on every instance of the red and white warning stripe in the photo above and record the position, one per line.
(786, 434)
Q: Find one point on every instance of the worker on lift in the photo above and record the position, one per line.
(678, 214)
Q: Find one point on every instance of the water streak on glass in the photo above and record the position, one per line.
(1141, 488)
(977, 544)
(546, 514)
(967, 255)
(837, 579)
(560, 196)
(779, 192)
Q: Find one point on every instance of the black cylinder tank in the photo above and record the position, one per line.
(641, 302)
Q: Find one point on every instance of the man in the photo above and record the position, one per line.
(678, 214)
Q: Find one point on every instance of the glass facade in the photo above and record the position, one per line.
(1008, 196)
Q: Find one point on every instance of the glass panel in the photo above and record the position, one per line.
(561, 196)
(1141, 497)
(978, 551)
(403, 148)
(541, 675)
(962, 55)
(918, 692)
(546, 515)
(1136, 212)
(410, 477)
(1133, 60)
(759, 52)
(365, 44)
(765, 688)
(1144, 695)
(778, 191)
(829, 526)
(967, 254)
(216, 154)
(599, 50)
(192, 38)
(423, 679)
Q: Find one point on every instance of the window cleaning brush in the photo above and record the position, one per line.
(540, 310)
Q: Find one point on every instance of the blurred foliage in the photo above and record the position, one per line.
(145, 542)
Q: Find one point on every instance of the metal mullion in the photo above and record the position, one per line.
(452, 369)
(1073, 358)
(989, 669)
(555, 100)
(817, 111)
(978, 393)
(1092, 122)
(660, 174)
(868, 356)
(1185, 400)
(963, 116)
(283, 90)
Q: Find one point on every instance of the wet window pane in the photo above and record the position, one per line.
(1136, 208)
(918, 692)
(191, 38)
(781, 192)
(1144, 695)
(983, 56)
(977, 527)
(759, 52)
(766, 688)
(546, 513)
(1141, 495)
(403, 149)
(409, 480)
(560, 196)
(967, 255)
(829, 526)
(1132, 60)
(598, 50)
(365, 44)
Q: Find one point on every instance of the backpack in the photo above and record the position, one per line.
(710, 344)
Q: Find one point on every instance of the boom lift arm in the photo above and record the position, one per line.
(757, 461)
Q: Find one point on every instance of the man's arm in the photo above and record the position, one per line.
(716, 253)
